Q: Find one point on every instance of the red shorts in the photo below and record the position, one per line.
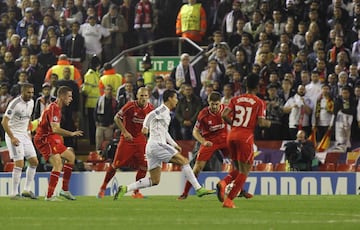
(130, 153)
(49, 145)
(241, 148)
(205, 153)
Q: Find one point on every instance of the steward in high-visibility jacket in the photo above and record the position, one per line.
(58, 70)
(110, 77)
(91, 87)
(191, 21)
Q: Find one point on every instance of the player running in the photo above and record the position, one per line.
(132, 143)
(210, 130)
(247, 111)
(162, 148)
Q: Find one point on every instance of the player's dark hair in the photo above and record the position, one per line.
(214, 96)
(252, 81)
(168, 93)
(26, 86)
(63, 90)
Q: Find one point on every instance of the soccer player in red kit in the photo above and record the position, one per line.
(247, 111)
(210, 130)
(131, 147)
(49, 142)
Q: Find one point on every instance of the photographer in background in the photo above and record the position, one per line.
(300, 153)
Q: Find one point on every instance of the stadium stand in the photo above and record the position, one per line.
(332, 157)
(327, 167)
(9, 166)
(264, 167)
(280, 167)
(345, 167)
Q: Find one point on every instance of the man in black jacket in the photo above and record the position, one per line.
(300, 152)
(75, 47)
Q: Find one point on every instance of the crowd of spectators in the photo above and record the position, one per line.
(307, 54)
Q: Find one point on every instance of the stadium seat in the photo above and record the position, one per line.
(342, 159)
(102, 166)
(264, 167)
(94, 157)
(176, 168)
(280, 167)
(167, 167)
(9, 166)
(332, 157)
(327, 167)
(5, 157)
(358, 168)
(345, 167)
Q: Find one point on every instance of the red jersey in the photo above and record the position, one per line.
(210, 124)
(132, 115)
(246, 108)
(51, 114)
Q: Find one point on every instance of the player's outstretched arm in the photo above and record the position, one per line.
(63, 132)
(197, 135)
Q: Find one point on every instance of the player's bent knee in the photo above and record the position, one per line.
(69, 155)
(56, 163)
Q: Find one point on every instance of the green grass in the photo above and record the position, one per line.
(165, 212)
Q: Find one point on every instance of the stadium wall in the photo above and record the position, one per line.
(258, 183)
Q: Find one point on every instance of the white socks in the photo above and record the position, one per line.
(142, 183)
(189, 175)
(30, 174)
(16, 175)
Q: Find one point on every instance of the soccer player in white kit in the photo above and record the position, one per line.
(162, 148)
(18, 140)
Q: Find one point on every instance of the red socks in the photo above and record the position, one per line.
(67, 169)
(238, 184)
(109, 174)
(54, 177)
(187, 187)
(231, 176)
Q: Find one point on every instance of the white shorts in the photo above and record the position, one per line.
(157, 153)
(24, 149)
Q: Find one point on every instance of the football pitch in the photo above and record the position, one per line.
(166, 212)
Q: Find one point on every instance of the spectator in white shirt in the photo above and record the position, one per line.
(300, 108)
(313, 89)
(92, 33)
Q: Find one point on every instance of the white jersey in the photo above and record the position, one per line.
(295, 113)
(92, 36)
(19, 114)
(157, 122)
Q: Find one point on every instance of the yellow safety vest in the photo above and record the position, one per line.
(91, 88)
(149, 78)
(58, 70)
(190, 17)
(115, 80)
